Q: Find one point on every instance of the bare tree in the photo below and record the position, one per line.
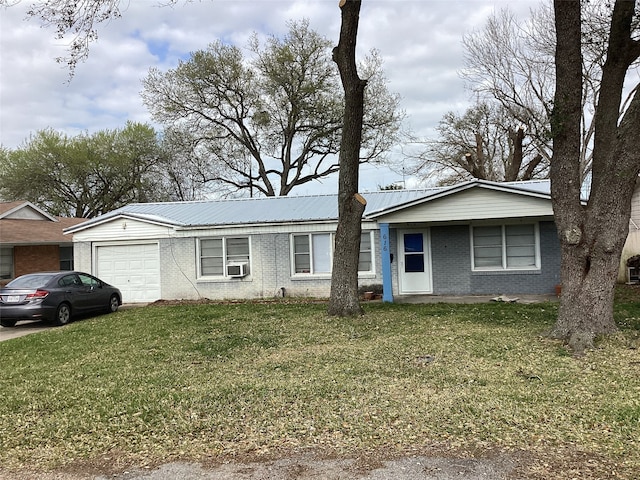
(344, 278)
(513, 62)
(486, 143)
(513, 65)
(76, 19)
(592, 235)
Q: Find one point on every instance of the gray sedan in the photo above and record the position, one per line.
(55, 297)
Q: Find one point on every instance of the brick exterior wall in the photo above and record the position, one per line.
(270, 268)
(451, 265)
(451, 260)
(452, 274)
(270, 272)
(35, 258)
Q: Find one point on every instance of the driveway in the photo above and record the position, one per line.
(23, 328)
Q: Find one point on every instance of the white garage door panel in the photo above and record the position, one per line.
(134, 269)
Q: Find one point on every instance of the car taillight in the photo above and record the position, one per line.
(38, 294)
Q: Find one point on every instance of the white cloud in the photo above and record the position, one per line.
(419, 40)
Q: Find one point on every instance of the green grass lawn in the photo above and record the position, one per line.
(206, 382)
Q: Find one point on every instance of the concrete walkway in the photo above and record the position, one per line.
(474, 298)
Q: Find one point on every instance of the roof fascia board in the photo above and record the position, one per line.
(185, 228)
(36, 242)
(501, 187)
(521, 191)
(122, 216)
(491, 221)
(258, 225)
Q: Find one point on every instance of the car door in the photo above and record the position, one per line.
(94, 297)
(73, 291)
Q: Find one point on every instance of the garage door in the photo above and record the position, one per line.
(134, 269)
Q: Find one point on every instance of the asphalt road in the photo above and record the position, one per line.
(307, 468)
(310, 467)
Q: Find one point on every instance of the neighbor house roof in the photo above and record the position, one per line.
(276, 210)
(22, 223)
(23, 210)
(7, 207)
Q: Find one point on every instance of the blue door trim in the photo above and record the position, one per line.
(385, 250)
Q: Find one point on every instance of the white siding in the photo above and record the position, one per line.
(475, 204)
(634, 221)
(632, 245)
(122, 229)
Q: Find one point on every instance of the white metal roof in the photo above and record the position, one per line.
(276, 210)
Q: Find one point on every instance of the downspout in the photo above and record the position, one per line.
(385, 254)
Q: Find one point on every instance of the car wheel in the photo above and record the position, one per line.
(5, 322)
(114, 303)
(63, 314)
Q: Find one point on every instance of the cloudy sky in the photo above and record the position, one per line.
(419, 40)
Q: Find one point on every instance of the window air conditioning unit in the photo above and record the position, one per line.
(237, 269)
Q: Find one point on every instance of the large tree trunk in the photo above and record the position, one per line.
(516, 137)
(344, 299)
(592, 236)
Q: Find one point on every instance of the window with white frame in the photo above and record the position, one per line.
(505, 247)
(313, 253)
(6, 262)
(365, 261)
(216, 253)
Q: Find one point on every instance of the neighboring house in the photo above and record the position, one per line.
(32, 240)
(632, 246)
(477, 237)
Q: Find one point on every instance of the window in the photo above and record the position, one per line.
(413, 252)
(365, 262)
(217, 253)
(6, 262)
(313, 253)
(505, 247)
(66, 258)
(69, 280)
(88, 281)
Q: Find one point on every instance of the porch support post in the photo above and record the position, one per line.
(385, 254)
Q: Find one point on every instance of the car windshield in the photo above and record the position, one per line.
(30, 281)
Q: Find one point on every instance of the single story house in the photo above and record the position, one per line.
(32, 240)
(477, 237)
